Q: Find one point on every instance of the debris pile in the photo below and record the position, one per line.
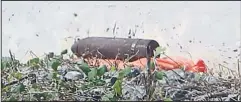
(56, 78)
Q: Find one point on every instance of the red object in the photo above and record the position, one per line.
(168, 63)
(199, 67)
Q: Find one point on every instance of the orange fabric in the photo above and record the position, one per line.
(163, 63)
(199, 67)
(189, 64)
(180, 60)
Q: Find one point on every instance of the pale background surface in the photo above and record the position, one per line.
(211, 22)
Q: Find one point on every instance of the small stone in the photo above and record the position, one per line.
(134, 72)
(62, 70)
(112, 81)
(73, 75)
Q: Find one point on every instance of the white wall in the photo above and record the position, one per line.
(211, 22)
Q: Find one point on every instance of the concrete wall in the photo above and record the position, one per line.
(212, 27)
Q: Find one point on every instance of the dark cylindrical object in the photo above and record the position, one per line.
(105, 47)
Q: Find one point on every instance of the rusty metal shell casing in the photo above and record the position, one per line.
(109, 48)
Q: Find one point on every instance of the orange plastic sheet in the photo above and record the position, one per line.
(165, 63)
